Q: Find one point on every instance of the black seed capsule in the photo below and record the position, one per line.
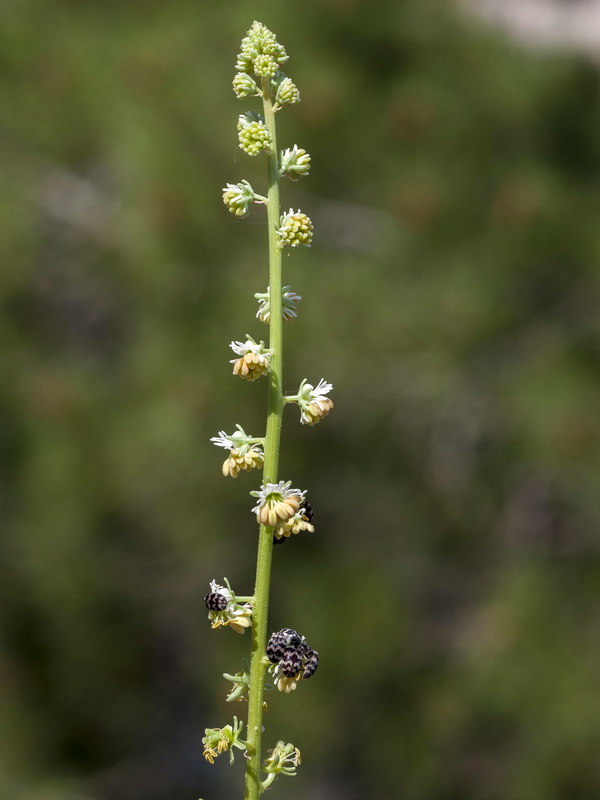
(291, 662)
(275, 648)
(307, 511)
(304, 647)
(291, 637)
(311, 662)
(215, 601)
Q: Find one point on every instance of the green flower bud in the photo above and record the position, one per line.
(287, 93)
(265, 66)
(238, 197)
(294, 163)
(245, 86)
(295, 228)
(253, 134)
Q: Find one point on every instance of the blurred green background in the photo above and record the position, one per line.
(451, 296)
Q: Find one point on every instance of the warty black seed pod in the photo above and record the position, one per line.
(291, 637)
(275, 648)
(291, 662)
(311, 662)
(215, 601)
(304, 647)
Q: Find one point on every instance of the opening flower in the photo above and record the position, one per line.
(288, 304)
(295, 228)
(287, 93)
(277, 502)
(244, 85)
(238, 197)
(294, 163)
(254, 361)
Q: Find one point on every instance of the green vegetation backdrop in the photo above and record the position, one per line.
(451, 296)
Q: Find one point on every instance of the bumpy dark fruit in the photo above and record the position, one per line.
(291, 662)
(215, 601)
(311, 662)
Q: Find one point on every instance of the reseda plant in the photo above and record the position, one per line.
(281, 510)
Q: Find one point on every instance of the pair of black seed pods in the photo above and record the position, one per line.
(293, 654)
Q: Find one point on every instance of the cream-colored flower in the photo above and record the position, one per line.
(252, 459)
(299, 522)
(313, 401)
(277, 502)
(254, 361)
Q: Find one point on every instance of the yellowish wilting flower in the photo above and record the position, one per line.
(225, 610)
(301, 521)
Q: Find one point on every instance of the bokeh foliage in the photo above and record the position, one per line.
(451, 296)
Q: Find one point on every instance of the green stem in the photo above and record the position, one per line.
(271, 448)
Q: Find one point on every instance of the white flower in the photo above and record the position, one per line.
(313, 401)
(246, 452)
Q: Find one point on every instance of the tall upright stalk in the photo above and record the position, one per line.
(271, 464)
(281, 511)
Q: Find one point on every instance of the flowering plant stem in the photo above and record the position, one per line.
(271, 464)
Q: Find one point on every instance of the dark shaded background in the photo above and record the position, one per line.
(451, 296)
